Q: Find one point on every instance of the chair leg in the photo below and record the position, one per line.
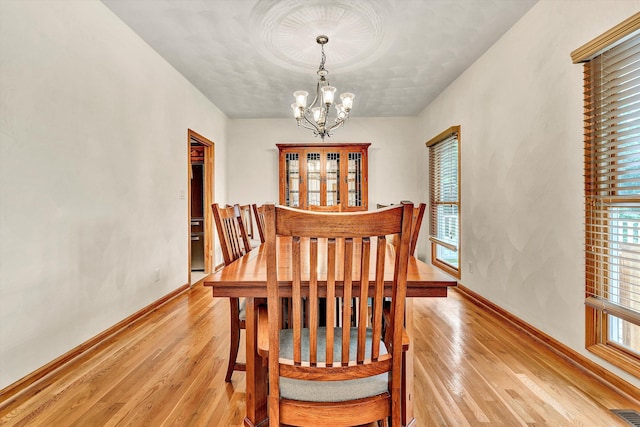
(234, 342)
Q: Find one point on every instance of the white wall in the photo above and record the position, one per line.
(93, 159)
(393, 156)
(520, 108)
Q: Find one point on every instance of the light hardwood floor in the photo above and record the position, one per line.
(471, 369)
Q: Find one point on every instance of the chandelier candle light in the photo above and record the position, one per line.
(314, 117)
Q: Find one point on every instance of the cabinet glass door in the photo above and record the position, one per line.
(292, 179)
(332, 179)
(314, 179)
(354, 179)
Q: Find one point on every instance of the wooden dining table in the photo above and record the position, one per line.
(247, 278)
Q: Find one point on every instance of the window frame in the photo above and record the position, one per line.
(597, 319)
(447, 267)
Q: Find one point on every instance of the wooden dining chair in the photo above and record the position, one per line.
(336, 375)
(258, 214)
(416, 223)
(234, 243)
(247, 220)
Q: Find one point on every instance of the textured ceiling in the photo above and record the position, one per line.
(249, 56)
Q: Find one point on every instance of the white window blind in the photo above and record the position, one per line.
(612, 181)
(444, 197)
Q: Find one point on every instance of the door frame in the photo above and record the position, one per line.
(208, 185)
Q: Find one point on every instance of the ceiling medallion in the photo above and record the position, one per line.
(283, 28)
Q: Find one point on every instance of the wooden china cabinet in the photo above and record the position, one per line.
(324, 176)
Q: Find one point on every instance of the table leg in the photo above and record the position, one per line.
(257, 373)
(407, 368)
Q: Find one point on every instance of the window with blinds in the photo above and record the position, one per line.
(444, 200)
(612, 200)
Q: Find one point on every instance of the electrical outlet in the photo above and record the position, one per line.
(471, 267)
(156, 275)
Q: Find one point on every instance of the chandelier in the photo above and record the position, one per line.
(316, 117)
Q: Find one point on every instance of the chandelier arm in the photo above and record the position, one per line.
(314, 127)
(315, 99)
(306, 126)
(338, 124)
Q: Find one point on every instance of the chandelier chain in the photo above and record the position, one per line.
(323, 58)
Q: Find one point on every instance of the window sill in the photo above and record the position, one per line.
(446, 267)
(617, 357)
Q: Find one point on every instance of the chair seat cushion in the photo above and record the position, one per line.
(329, 391)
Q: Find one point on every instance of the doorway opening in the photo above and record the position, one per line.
(200, 192)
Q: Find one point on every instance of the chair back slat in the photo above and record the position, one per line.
(378, 299)
(363, 306)
(313, 302)
(297, 300)
(346, 300)
(330, 300)
(258, 214)
(416, 222)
